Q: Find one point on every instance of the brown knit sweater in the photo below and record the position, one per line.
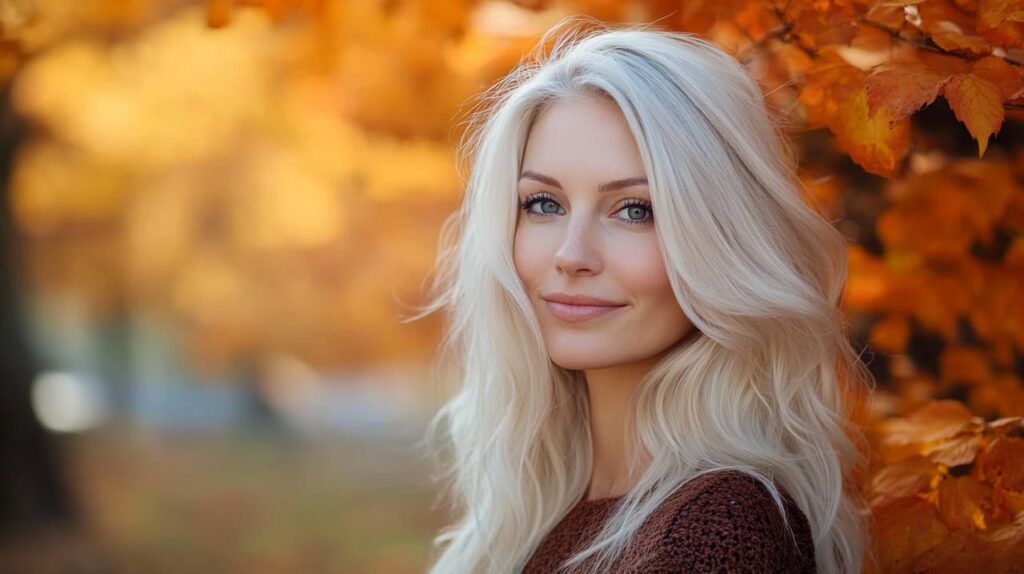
(723, 521)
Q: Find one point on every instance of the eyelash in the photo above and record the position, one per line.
(536, 198)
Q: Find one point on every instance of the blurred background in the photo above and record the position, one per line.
(215, 214)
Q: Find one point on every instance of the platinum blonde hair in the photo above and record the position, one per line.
(764, 388)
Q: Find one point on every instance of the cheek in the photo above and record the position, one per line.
(641, 270)
(528, 257)
(660, 320)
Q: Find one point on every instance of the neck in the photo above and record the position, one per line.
(609, 393)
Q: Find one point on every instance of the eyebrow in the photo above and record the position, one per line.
(609, 186)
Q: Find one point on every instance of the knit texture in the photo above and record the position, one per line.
(723, 521)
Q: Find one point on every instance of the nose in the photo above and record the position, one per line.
(577, 254)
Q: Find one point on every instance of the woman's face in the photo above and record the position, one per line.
(585, 246)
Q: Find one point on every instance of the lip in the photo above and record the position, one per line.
(575, 308)
(583, 300)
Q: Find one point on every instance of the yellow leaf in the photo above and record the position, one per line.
(978, 103)
(876, 143)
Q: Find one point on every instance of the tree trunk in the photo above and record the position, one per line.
(33, 491)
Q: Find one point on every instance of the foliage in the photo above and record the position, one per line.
(947, 492)
(946, 488)
(906, 114)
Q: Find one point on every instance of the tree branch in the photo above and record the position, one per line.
(786, 35)
(927, 45)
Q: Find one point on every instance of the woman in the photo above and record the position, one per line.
(644, 321)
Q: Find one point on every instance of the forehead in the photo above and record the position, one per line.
(585, 136)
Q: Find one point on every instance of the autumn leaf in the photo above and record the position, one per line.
(1002, 462)
(903, 88)
(956, 451)
(965, 502)
(1008, 503)
(909, 527)
(835, 95)
(978, 104)
(960, 518)
(957, 42)
(1009, 79)
(937, 16)
(991, 13)
(963, 551)
(1007, 543)
(936, 421)
(891, 15)
(898, 480)
(822, 23)
(1001, 22)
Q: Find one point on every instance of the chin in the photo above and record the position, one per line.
(583, 360)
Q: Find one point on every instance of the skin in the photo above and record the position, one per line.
(576, 239)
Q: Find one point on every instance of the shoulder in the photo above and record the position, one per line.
(728, 521)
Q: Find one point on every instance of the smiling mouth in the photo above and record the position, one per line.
(577, 313)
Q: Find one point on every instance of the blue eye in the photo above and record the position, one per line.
(548, 206)
(637, 211)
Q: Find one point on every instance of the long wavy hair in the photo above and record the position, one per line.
(768, 387)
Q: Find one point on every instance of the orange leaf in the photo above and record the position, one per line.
(1008, 545)
(941, 15)
(964, 551)
(823, 23)
(1001, 21)
(827, 87)
(956, 451)
(1013, 426)
(904, 530)
(1007, 502)
(903, 88)
(1003, 462)
(1010, 79)
(944, 63)
(877, 143)
(992, 13)
(755, 18)
(834, 95)
(935, 421)
(889, 14)
(898, 480)
(965, 502)
(952, 41)
(978, 103)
